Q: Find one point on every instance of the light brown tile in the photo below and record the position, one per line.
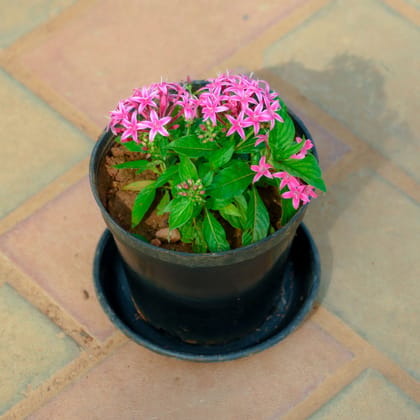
(37, 144)
(55, 246)
(370, 396)
(135, 383)
(32, 348)
(357, 62)
(368, 233)
(20, 16)
(100, 57)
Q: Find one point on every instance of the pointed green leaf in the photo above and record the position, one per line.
(231, 181)
(164, 201)
(222, 156)
(187, 232)
(187, 169)
(192, 146)
(180, 211)
(142, 203)
(134, 164)
(214, 234)
(232, 215)
(258, 220)
(306, 169)
(287, 210)
(205, 173)
(131, 146)
(247, 146)
(138, 185)
(167, 176)
(281, 138)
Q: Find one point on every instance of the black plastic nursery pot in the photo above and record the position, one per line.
(200, 299)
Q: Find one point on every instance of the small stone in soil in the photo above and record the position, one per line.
(168, 236)
(156, 242)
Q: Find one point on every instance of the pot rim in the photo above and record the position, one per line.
(191, 258)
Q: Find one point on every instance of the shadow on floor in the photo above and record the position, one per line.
(352, 90)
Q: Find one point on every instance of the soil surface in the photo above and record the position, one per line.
(154, 228)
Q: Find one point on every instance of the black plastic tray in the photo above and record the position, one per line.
(300, 286)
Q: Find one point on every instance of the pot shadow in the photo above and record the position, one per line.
(350, 89)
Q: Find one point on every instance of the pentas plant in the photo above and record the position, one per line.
(213, 146)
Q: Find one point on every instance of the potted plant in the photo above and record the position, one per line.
(203, 186)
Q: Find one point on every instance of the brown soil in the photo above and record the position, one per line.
(120, 202)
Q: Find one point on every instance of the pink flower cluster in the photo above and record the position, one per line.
(239, 102)
(236, 102)
(297, 190)
(150, 110)
(233, 102)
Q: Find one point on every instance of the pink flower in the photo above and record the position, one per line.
(272, 107)
(131, 128)
(238, 125)
(307, 146)
(309, 190)
(144, 97)
(262, 138)
(255, 116)
(297, 194)
(156, 125)
(262, 169)
(300, 193)
(286, 179)
(210, 106)
(119, 114)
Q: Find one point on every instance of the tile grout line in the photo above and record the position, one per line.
(41, 300)
(42, 31)
(366, 351)
(365, 356)
(45, 195)
(404, 9)
(252, 51)
(65, 377)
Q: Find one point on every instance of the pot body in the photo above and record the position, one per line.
(201, 298)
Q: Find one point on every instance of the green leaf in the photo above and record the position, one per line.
(287, 210)
(214, 234)
(246, 147)
(131, 146)
(187, 169)
(180, 211)
(306, 169)
(192, 146)
(199, 244)
(134, 164)
(222, 156)
(257, 221)
(161, 144)
(138, 185)
(167, 176)
(282, 138)
(205, 173)
(232, 215)
(164, 201)
(187, 233)
(217, 203)
(142, 203)
(231, 181)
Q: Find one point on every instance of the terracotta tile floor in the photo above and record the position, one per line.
(348, 69)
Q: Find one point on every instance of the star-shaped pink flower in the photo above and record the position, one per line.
(156, 125)
(262, 169)
(297, 193)
(286, 179)
(132, 126)
(238, 125)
